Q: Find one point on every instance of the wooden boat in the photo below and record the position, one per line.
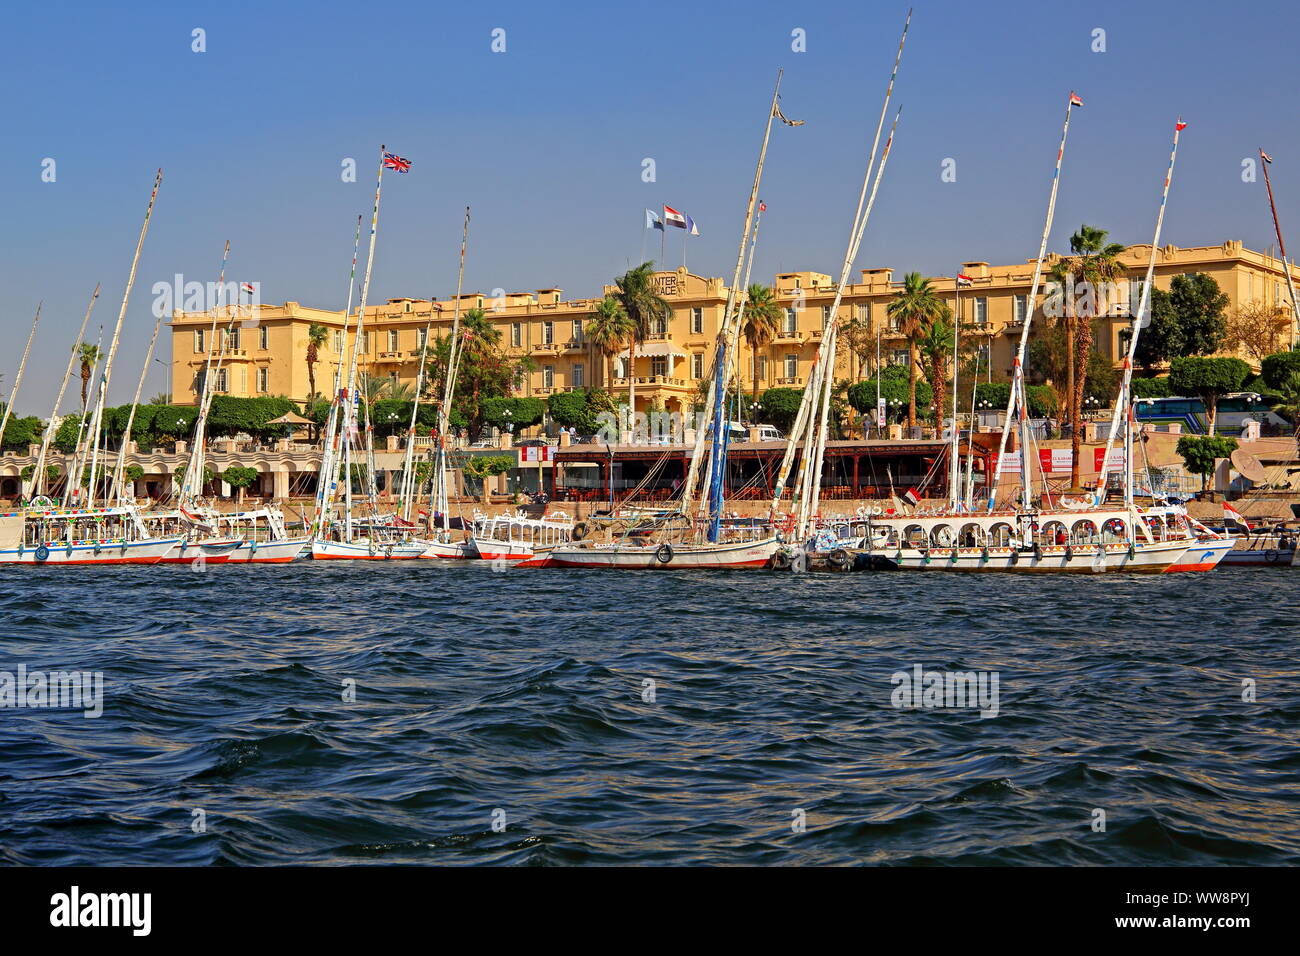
(60, 536)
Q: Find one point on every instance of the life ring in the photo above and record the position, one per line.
(1270, 556)
(42, 553)
(780, 560)
(839, 558)
(664, 553)
(579, 531)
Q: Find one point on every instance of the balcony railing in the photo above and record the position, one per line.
(796, 380)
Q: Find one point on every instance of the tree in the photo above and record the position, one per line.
(89, 356)
(1281, 371)
(239, 477)
(915, 304)
(1041, 399)
(316, 335)
(481, 467)
(781, 407)
(21, 432)
(1186, 320)
(760, 323)
(898, 388)
(1199, 453)
(573, 410)
(520, 412)
(635, 292)
(1209, 379)
(485, 371)
(608, 329)
(1151, 387)
(1093, 266)
(1257, 329)
(935, 346)
(209, 474)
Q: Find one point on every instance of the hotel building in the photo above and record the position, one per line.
(268, 356)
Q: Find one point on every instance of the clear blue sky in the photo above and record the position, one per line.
(546, 141)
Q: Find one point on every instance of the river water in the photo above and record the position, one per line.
(428, 713)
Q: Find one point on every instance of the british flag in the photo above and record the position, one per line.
(393, 161)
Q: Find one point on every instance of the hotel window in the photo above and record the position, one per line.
(1019, 308)
(222, 380)
(422, 339)
(579, 376)
(659, 365)
(264, 338)
(762, 368)
(659, 325)
(548, 333)
(984, 356)
(1134, 296)
(899, 357)
(791, 321)
(232, 339)
(363, 342)
(864, 313)
(826, 316)
(548, 374)
(697, 365)
(338, 342)
(577, 331)
(198, 341)
(392, 340)
(697, 321)
(981, 311)
(791, 365)
(1277, 293)
(516, 334)
(263, 379)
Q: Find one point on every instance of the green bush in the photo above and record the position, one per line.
(893, 388)
(1199, 453)
(1157, 387)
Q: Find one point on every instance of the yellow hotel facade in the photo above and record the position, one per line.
(268, 357)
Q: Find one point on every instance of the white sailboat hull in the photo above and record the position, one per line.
(143, 551)
(1151, 558)
(211, 550)
(269, 552)
(453, 551)
(746, 554)
(363, 551)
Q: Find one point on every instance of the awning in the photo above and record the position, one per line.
(291, 418)
(653, 348)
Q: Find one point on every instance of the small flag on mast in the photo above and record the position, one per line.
(963, 280)
(652, 220)
(393, 161)
(691, 228)
(776, 111)
(762, 206)
(1232, 514)
(247, 287)
(1075, 99)
(911, 497)
(1265, 156)
(1180, 125)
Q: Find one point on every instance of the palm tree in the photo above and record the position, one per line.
(635, 292)
(316, 335)
(608, 328)
(935, 345)
(915, 305)
(89, 355)
(761, 321)
(1095, 262)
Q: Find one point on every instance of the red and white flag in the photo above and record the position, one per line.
(1232, 514)
(911, 498)
(673, 218)
(196, 521)
(963, 280)
(1075, 99)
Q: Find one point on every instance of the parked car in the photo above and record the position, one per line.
(534, 443)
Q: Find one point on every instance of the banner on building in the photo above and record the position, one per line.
(1114, 463)
(1055, 460)
(1011, 463)
(537, 453)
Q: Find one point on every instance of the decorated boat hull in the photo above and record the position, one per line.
(211, 550)
(364, 551)
(1150, 558)
(281, 551)
(111, 551)
(746, 554)
(1203, 555)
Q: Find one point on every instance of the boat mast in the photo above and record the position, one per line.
(80, 452)
(438, 495)
(192, 482)
(1017, 397)
(37, 485)
(107, 375)
(22, 367)
(954, 454)
(717, 384)
(806, 405)
(327, 480)
(1124, 402)
(1266, 161)
(408, 462)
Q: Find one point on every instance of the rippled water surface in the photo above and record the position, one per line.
(522, 695)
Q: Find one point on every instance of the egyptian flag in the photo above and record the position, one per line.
(247, 288)
(673, 218)
(963, 280)
(198, 523)
(1232, 514)
(911, 498)
(1075, 99)
(1265, 157)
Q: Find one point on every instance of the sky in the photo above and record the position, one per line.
(547, 142)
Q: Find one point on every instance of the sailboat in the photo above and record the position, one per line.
(78, 533)
(354, 539)
(705, 543)
(1081, 535)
